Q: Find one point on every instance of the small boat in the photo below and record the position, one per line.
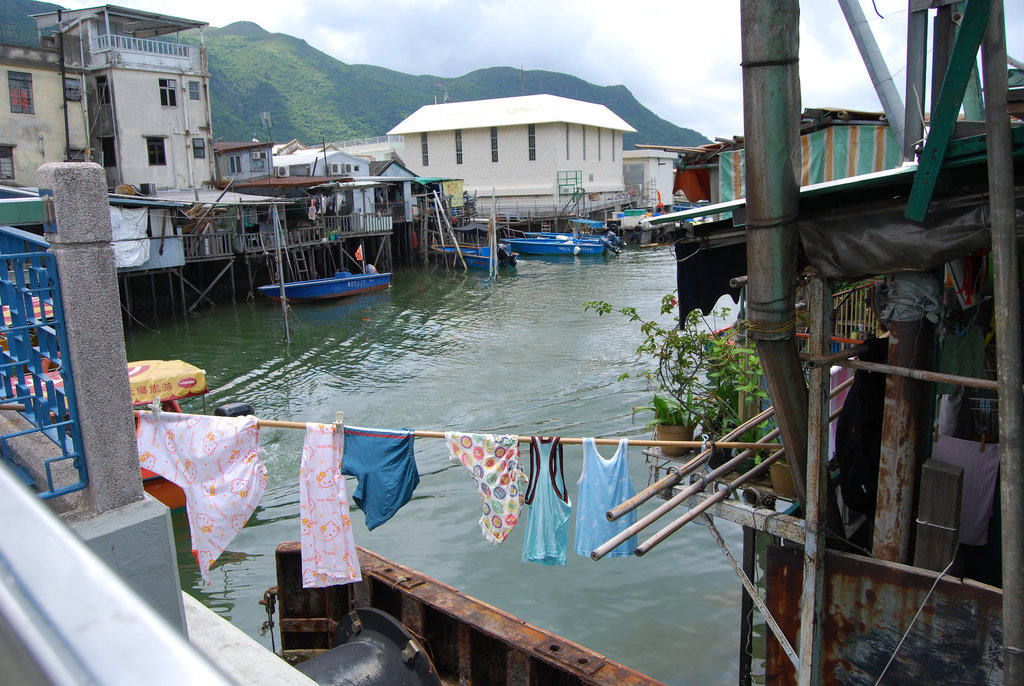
(561, 244)
(480, 257)
(342, 284)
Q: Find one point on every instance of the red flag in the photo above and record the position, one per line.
(359, 252)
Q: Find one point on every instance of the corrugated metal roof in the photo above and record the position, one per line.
(520, 110)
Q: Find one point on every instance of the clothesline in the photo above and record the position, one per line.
(642, 442)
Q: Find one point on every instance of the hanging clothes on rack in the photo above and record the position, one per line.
(383, 462)
(217, 462)
(603, 485)
(493, 461)
(547, 526)
(328, 550)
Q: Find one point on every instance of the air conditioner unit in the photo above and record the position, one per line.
(281, 171)
(335, 168)
(259, 154)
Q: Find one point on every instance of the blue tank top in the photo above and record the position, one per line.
(547, 527)
(603, 485)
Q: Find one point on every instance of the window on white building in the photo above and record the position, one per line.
(198, 148)
(193, 90)
(155, 151)
(6, 161)
(103, 90)
(168, 96)
(494, 144)
(599, 145)
(19, 84)
(423, 149)
(458, 146)
(584, 129)
(567, 140)
(531, 141)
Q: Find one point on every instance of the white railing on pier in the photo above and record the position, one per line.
(359, 223)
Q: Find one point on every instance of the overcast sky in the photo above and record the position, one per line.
(680, 58)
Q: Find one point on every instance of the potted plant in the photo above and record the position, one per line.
(699, 378)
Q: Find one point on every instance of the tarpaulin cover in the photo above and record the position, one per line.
(131, 244)
(837, 152)
(694, 183)
(877, 239)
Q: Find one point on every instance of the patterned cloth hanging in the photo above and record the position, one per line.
(494, 463)
(328, 549)
(217, 462)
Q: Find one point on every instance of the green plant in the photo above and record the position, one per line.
(698, 377)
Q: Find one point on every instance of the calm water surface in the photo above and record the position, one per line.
(451, 351)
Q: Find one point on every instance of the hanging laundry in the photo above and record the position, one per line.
(547, 527)
(603, 485)
(981, 476)
(383, 462)
(493, 461)
(328, 550)
(217, 462)
(311, 212)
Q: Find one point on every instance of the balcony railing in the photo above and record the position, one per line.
(115, 41)
(33, 373)
(207, 245)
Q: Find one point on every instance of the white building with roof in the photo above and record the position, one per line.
(532, 149)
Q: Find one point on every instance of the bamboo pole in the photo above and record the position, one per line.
(524, 438)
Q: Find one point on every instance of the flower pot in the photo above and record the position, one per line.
(782, 480)
(672, 432)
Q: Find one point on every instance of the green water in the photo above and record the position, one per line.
(451, 351)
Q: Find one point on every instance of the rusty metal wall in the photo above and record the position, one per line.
(868, 605)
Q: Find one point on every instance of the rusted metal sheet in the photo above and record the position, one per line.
(868, 605)
(469, 641)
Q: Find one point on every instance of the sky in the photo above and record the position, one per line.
(679, 58)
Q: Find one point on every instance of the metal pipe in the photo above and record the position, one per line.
(1008, 345)
(771, 129)
(721, 494)
(678, 473)
(841, 355)
(881, 79)
(718, 496)
(921, 374)
(913, 123)
(673, 502)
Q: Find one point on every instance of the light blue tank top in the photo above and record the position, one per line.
(547, 525)
(603, 485)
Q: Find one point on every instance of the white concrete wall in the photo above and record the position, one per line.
(515, 175)
(659, 172)
(136, 98)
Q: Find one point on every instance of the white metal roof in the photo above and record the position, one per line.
(520, 110)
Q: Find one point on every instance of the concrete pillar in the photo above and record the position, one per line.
(92, 309)
(129, 530)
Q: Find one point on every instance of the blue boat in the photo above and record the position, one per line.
(341, 285)
(479, 257)
(561, 244)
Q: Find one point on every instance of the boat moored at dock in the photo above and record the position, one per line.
(341, 285)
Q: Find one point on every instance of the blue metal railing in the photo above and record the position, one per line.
(32, 371)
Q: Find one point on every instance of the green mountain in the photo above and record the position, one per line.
(313, 97)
